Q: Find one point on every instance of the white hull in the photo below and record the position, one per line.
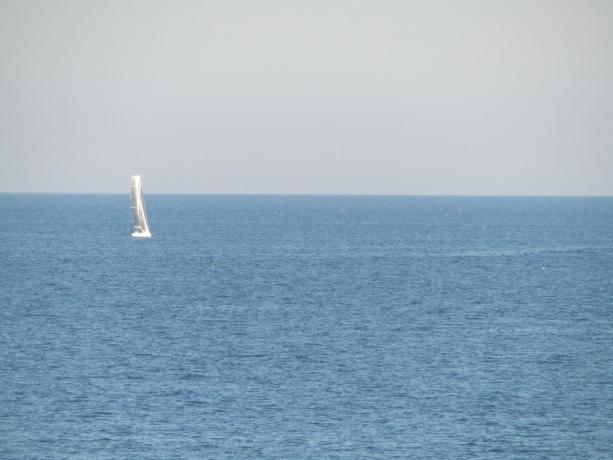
(141, 235)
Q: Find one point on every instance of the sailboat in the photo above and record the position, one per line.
(141, 227)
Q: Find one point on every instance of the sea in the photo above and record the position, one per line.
(306, 327)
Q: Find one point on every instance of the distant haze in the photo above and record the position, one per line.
(367, 97)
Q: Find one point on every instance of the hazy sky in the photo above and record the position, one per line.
(380, 96)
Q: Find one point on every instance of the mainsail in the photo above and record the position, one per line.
(141, 228)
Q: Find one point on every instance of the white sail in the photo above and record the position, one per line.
(141, 227)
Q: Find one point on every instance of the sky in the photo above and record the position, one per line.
(475, 97)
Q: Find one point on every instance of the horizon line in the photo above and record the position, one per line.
(416, 195)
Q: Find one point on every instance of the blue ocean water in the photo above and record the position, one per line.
(306, 327)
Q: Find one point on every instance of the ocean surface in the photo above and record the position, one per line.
(290, 327)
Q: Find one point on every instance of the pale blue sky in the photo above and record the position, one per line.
(382, 97)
